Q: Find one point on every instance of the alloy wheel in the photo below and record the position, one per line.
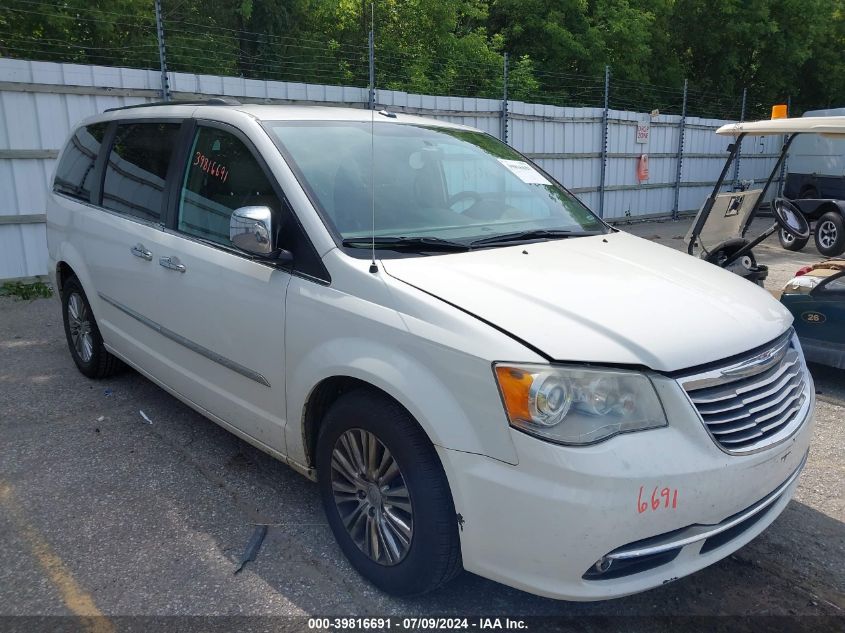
(79, 324)
(371, 497)
(786, 237)
(827, 234)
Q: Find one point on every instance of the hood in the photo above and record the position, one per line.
(610, 298)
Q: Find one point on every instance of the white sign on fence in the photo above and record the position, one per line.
(643, 130)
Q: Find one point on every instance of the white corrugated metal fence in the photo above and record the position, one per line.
(40, 102)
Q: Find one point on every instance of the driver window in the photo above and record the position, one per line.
(222, 175)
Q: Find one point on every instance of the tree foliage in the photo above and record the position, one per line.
(558, 49)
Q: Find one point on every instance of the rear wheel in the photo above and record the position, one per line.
(790, 242)
(830, 234)
(83, 336)
(386, 496)
(809, 193)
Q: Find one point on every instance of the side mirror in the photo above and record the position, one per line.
(251, 230)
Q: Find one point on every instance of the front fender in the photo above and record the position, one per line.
(450, 393)
(840, 205)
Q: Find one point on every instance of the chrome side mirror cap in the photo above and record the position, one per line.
(251, 230)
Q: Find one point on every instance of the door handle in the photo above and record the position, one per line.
(139, 250)
(172, 263)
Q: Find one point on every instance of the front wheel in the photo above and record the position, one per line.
(790, 242)
(830, 234)
(386, 496)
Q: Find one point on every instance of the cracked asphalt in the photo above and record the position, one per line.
(104, 513)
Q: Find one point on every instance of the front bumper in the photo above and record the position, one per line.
(542, 525)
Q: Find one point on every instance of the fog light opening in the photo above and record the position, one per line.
(603, 564)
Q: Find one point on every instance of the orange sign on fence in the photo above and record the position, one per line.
(642, 168)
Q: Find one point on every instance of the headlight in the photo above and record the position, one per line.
(569, 405)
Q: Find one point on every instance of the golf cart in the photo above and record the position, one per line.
(718, 234)
(815, 181)
(816, 298)
(827, 218)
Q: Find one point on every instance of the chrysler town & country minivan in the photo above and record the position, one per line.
(479, 372)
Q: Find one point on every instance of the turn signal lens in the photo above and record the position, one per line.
(515, 385)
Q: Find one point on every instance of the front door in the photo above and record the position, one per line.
(222, 312)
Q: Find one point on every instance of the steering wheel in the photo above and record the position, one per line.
(461, 196)
(789, 217)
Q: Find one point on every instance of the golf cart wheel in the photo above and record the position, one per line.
(83, 336)
(386, 496)
(808, 193)
(830, 234)
(791, 243)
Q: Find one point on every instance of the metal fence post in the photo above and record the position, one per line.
(504, 132)
(739, 149)
(162, 57)
(604, 124)
(371, 99)
(782, 182)
(680, 161)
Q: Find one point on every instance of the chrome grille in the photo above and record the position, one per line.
(755, 401)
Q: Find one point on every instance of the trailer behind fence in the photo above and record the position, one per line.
(593, 151)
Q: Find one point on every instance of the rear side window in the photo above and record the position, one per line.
(137, 167)
(75, 173)
(222, 175)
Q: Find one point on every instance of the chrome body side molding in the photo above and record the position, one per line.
(185, 342)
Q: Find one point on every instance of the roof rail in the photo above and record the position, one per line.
(214, 101)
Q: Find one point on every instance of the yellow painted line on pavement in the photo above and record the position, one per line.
(78, 602)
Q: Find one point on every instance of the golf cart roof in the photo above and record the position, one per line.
(824, 125)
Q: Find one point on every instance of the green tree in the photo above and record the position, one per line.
(122, 33)
(821, 79)
(762, 44)
(558, 48)
(556, 34)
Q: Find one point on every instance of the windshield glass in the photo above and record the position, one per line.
(434, 182)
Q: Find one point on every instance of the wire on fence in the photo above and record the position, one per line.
(42, 30)
(62, 32)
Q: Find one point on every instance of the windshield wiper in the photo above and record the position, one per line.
(400, 242)
(525, 236)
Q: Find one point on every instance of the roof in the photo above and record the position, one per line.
(334, 113)
(825, 125)
(281, 112)
(153, 104)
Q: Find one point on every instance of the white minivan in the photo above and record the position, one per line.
(479, 373)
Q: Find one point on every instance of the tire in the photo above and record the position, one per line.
(790, 242)
(83, 336)
(430, 555)
(830, 234)
(808, 193)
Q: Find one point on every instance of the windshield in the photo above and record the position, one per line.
(429, 182)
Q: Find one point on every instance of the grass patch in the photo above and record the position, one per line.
(25, 292)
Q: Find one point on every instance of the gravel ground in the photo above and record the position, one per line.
(101, 512)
